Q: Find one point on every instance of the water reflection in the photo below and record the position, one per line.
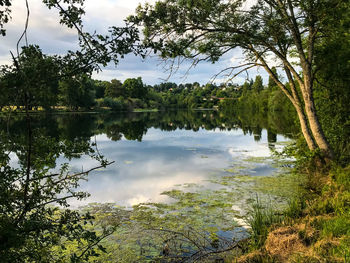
(153, 151)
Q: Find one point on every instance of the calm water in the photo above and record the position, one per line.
(163, 159)
(194, 173)
(156, 151)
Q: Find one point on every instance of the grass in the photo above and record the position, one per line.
(261, 218)
(295, 208)
(315, 227)
(145, 110)
(335, 227)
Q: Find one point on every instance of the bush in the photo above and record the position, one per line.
(138, 104)
(116, 104)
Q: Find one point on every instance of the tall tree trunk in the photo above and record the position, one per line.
(294, 98)
(300, 111)
(314, 123)
(304, 127)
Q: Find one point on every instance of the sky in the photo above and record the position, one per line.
(53, 38)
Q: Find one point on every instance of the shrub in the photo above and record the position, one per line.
(116, 104)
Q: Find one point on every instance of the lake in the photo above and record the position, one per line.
(153, 159)
(193, 171)
(156, 151)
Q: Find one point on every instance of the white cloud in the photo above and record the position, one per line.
(53, 38)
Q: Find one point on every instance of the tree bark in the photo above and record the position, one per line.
(312, 117)
(294, 98)
(305, 128)
(300, 111)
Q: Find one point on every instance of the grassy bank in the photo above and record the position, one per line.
(314, 228)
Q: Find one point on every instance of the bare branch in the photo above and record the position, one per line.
(72, 175)
(24, 34)
(245, 66)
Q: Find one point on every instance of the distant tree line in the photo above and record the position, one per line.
(49, 87)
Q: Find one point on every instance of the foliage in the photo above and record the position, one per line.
(134, 88)
(30, 223)
(95, 49)
(332, 92)
(336, 227)
(5, 15)
(80, 91)
(77, 92)
(36, 82)
(34, 192)
(100, 88)
(31, 229)
(114, 89)
(258, 84)
(295, 208)
(116, 104)
(38, 72)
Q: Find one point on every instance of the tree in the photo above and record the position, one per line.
(281, 31)
(77, 92)
(114, 89)
(247, 86)
(271, 85)
(37, 81)
(258, 84)
(134, 88)
(100, 88)
(6, 97)
(30, 225)
(332, 93)
(4, 15)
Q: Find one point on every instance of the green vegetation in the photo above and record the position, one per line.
(196, 225)
(268, 32)
(260, 220)
(34, 213)
(304, 48)
(84, 93)
(314, 227)
(309, 41)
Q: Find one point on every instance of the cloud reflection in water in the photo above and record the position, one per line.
(143, 170)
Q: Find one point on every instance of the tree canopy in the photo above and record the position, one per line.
(134, 87)
(36, 82)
